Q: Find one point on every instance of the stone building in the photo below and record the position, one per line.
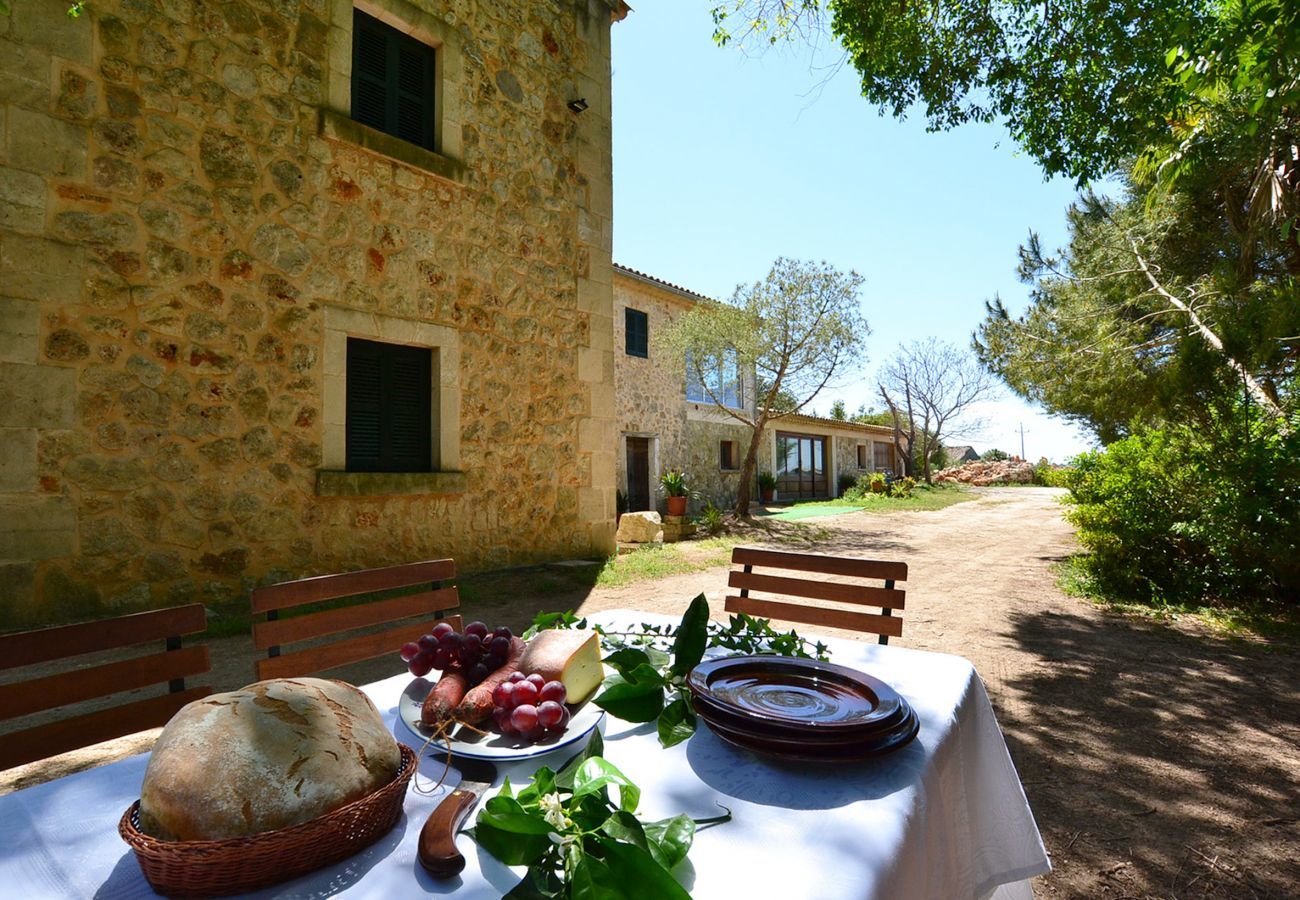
(224, 228)
(665, 423)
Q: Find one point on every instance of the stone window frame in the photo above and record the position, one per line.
(449, 77)
(735, 456)
(333, 479)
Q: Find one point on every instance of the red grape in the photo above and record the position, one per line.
(524, 717)
(409, 651)
(494, 662)
(554, 690)
(478, 629)
(537, 681)
(427, 642)
(501, 631)
(534, 735)
(440, 629)
(477, 673)
(503, 695)
(499, 646)
(502, 718)
(525, 692)
(441, 659)
(449, 642)
(420, 664)
(549, 714)
(516, 677)
(471, 641)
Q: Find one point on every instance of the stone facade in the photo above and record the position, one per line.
(191, 226)
(650, 397)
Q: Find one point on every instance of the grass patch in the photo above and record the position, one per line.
(652, 562)
(1255, 622)
(939, 496)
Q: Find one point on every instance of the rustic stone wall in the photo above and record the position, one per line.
(182, 200)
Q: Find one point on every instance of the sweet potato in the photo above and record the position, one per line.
(445, 697)
(477, 705)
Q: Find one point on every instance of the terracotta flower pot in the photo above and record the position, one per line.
(766, 494)
(676, 506)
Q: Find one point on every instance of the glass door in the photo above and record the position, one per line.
(800, 466)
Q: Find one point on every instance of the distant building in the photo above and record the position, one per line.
(959, 455)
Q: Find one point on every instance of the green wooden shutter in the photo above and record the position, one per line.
(392, 81)
(389, 398)
(636, 325)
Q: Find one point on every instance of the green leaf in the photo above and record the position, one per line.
(627, 660)
(673, 838)
(543, 784)
(692, 636)
(597, 774)
(510, 833)
(676, 722)
(593, 880)
(626, 827)
(539, 884)
(595, 747)
(637, 696)
(640, 876)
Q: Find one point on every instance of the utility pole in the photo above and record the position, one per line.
(1022, 440)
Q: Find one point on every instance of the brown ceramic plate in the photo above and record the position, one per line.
(807, 751)
(802, 696)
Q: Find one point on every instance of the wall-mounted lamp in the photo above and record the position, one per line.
(578, 105)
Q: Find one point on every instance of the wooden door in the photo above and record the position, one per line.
(639, 497)
(801, 467)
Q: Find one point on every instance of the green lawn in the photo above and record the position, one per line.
(923, 498)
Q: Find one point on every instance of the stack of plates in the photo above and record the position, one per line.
(800, 708)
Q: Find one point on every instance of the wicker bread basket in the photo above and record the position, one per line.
(238, 865)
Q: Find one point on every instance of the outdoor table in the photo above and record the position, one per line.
(944, 817)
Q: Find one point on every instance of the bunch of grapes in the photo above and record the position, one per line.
(475, 651)
(530, 707)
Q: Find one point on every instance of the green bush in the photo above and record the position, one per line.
(902, 487)
(711, 519)
(1049, 475)
(845, 482)
(1186, 514)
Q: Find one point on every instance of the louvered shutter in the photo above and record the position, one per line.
(637, 326)
(389, 395)
(392, 81)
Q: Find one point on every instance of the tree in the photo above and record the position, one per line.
(994, 455)
(1155, 313)
(1033, 66)
(796, 329)
(838, 412)
(930, 388)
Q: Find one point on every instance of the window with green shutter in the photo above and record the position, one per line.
(392, 81)
(637, 326)
(389, 407)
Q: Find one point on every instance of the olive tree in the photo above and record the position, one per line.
(791, 332)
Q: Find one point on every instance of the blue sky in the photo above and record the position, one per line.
(724, 161)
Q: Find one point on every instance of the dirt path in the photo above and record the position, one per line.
(1160, 763)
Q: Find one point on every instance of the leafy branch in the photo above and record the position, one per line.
(577, 842)
(649, 683)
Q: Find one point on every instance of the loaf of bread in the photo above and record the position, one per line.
(570, 656)
(268, 756)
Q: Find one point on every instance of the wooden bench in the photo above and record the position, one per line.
(75, 685)
(431, 599)
(775, 578)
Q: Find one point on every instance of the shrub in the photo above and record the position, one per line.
(902, 487)
(845, 483)
(1049, 475)
(994, 455)
(1189, 514)
(711, 519)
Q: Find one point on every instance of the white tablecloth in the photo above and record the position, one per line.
(944, 818)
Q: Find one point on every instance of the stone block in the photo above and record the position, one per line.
(40, 143)
(17, 460)
(36, 527)
(49, 27)
(25, 75)
(37, 396)
(19, 330)
(640, 528)
(677, 528)
(22, 201)
(40, 269)
(18, 587)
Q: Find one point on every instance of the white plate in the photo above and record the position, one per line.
(494, 746)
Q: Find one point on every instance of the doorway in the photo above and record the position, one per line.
(639, 496)
(801, 471)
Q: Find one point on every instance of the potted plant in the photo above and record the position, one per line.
(676, 491)
(766, 486)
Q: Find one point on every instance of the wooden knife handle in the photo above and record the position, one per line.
(437, 850)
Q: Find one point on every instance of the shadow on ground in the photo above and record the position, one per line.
(1185, 751)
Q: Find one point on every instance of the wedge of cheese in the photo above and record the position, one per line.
(572, 657)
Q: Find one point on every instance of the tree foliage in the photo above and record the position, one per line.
(796, 330)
